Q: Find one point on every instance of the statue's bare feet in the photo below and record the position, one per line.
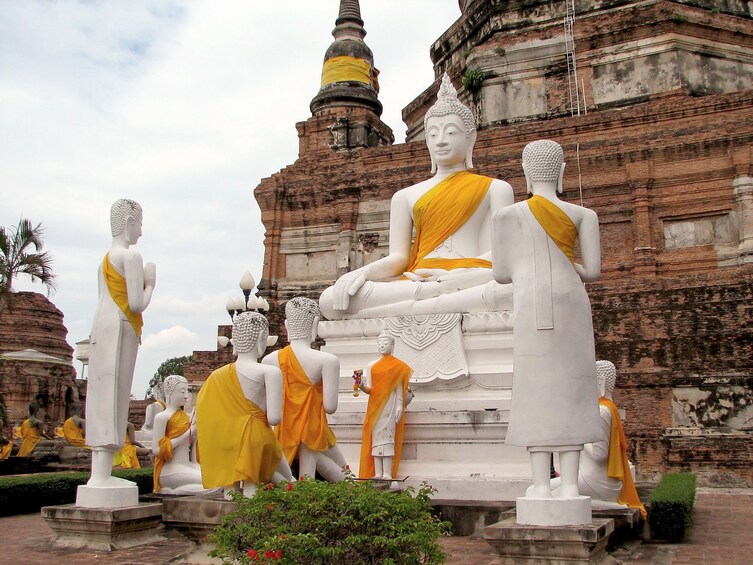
(108, 482)
(539, 492)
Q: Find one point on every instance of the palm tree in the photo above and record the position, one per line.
(18, 258)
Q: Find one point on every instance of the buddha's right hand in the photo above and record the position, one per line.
(345, 287)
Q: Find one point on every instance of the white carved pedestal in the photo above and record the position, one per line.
(456, 424)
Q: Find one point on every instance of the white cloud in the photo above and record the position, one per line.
(184, 107)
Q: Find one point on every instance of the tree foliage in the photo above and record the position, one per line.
(21, 254)
(172, 366)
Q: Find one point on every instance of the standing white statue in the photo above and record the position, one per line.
(310, 387)
(605, 473)
(554, 400)
(386, 382)
(234, 410)
(172, 435)
(125, 290)
(447, 268)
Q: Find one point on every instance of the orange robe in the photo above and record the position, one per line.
(177, 425)
(73, 434)
(5, 450)
(59, 433)
(386, 375)
(127, 458)
(31, 435)
(234, 436)
(617, 465)
(440, 213)
(303, 418)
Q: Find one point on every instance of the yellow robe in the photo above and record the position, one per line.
(303, 418)
(5, 450)
(59, 432)
(116, 284)
(617, 465)
(73, 434)
(31, 435)
(440, 213)
(386, 375)
(18, 433)
(127, 458)
(235, 439)
(556, 224)
(177, 425)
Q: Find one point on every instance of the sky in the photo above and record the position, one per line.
(183, 107)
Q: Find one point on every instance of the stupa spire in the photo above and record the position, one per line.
(348, 75)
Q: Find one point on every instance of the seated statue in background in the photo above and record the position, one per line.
(125, 290)
(448, 266)
(386, 382)
(32, 430)
(128, 456)
(605, 473)
(554, 397)
(310, 385)
(171, 441)
(154, 408)
(74, 428)
(234, 410)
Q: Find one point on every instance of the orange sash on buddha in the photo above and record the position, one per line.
(234, 436)
(127, 457)
(558, 225)
(618, 466)
(31, 435)
(386, 375)
(73, 434)
(440, 213)
(303, 418)
(177, 425)
(116, 284)
(5, 450)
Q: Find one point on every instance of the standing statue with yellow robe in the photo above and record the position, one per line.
(234, 410)
(386, 383)
(554, 399)
(125, 291)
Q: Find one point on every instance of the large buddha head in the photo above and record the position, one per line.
(250, 331)
(176, 391)
(125, 218)
(450, 129)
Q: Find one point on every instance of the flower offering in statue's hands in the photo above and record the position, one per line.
(357, 376)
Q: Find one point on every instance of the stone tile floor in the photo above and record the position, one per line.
(722, 534)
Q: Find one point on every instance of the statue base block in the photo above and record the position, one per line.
(120, 496)
(195, 516)
(104, 529)
(553, 511)
(519, 544)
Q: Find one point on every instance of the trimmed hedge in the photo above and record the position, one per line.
(671, 506)
(28, 493)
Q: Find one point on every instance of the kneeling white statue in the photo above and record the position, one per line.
(235, 408)
(172, 435)
(605, 473)
(447, 268)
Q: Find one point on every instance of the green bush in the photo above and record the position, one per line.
(28, 493)
(472, 79)
(315, 522)
(671, 506)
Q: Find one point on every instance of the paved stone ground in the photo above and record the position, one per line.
(722, 534)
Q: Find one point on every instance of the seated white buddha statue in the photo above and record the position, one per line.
(447, 266)
(605, 473)
(154, 408)
(172, 434)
